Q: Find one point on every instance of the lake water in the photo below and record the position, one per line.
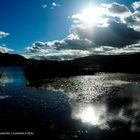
(80, 107)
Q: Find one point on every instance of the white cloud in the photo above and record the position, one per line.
(136, 5)
(44, 6)
(3, 34)
(104, 13)
(5, 49)
(88, 16)
(108, 50)
(55, 4)
(57, 54)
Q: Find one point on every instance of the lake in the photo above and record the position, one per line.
(100, 106)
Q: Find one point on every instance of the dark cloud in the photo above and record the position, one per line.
(79, 43)
(116, 35)
(69, 43)
(118, 8)
(134, 20)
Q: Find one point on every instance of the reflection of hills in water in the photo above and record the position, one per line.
(107, 101)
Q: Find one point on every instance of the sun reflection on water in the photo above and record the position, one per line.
(90, 114)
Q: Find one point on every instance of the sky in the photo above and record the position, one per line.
(69, 28)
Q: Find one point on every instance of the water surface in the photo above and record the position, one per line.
(80, 107)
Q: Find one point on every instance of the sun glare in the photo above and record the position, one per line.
(92, 15)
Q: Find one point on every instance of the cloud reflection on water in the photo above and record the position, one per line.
(86, 88)
(106, 101)
(5, 78)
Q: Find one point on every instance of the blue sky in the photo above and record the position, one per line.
(27, 21)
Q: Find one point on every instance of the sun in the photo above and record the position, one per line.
(91, 15)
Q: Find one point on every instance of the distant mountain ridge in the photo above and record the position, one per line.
(127, 63)
(12, 60)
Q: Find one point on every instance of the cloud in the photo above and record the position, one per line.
(54, 5)
(115, 35)
(71, 42)
(136, 5)
(133, 20)
(5, 50)
(68, 48)
(115, 9)
(108, 50)
(3, 34)
(102, 13)
(117, 31)
(57, 54)
(44, 6)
